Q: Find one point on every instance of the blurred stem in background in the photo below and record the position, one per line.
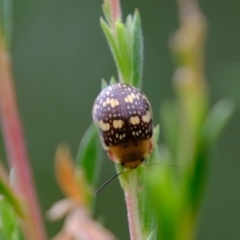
(190, 130)
(13, 135)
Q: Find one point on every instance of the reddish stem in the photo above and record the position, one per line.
(115, 12)
(130, 192)
(16, 150)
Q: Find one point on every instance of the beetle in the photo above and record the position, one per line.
(123, 116)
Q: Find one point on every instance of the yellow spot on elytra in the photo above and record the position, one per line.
(112, 101)
(134, 120)
(104, 126)
(118, 123)
(130, 98)
(147, 117)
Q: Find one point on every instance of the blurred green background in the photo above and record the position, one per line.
(60, 54)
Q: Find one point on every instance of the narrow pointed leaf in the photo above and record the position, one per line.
(9, 222)
(113, 46)
(107, 10)
(89, 155)
(9, 195)
(113, 80)
(124, 50)
(129, 26)
(71, 180)
(152, 235)
(217, 119)
(103, 84)
(137, 51)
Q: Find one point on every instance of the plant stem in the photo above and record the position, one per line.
(130, 192)
(16, 150)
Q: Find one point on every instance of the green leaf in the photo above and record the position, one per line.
(137, 51)
(9, 224)
(113, 80)
(156, 133)
(164, 185)
(89, 155)
(196, 178)
(152, 235)
(7, 192)
(126, 44)
(17, 234)
(113, 46)
(217, 119)
(129, 27)
(124, 52)
(103, 84)
(106, 7)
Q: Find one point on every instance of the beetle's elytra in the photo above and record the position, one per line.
(123, 116)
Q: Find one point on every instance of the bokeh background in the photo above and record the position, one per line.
(60, 54)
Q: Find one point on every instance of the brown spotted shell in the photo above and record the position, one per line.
(123, 115)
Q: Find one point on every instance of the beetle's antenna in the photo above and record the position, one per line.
(107, 182)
